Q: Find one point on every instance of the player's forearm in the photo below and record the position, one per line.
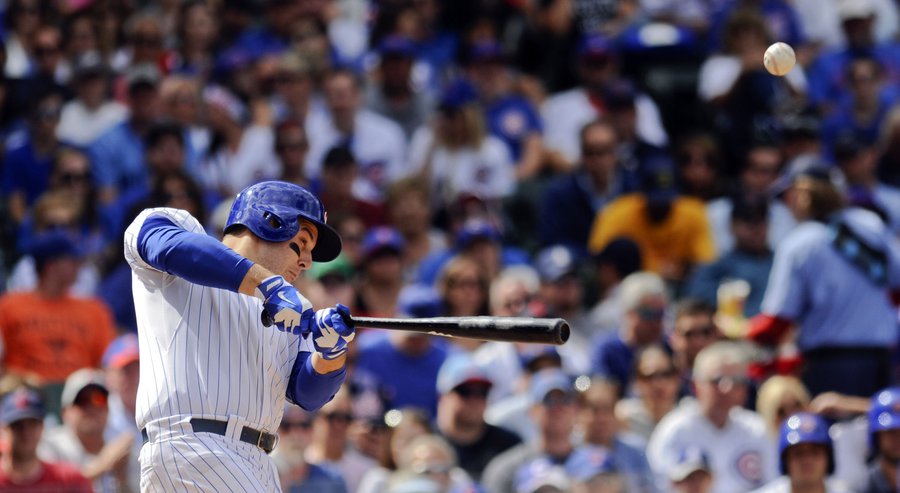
(308, 387)
(323, 366)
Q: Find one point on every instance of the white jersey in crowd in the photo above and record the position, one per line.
(487, 171)
(741, 455)
(783, 485)
(378, 144)
(204, 351)
(567, 112)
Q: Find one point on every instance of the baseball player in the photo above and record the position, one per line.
(214, 379)
(806, 454)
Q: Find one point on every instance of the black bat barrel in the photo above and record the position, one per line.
(505, 329)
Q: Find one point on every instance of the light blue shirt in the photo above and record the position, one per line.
(831, 300)
(118, 157)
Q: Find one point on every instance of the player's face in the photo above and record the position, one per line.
(807, 462)
(291, 257)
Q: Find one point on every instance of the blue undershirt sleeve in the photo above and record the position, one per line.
(195, 257)
(310, 389)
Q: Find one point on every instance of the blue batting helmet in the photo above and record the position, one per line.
(272, 210)
(884, 413)
(804, 428)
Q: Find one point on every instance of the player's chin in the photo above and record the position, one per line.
(291, 275)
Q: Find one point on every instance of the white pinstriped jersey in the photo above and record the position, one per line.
(203, 351)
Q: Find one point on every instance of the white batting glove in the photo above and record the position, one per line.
(332, 330)
(284, 306)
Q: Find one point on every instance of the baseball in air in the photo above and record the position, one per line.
(779, 58)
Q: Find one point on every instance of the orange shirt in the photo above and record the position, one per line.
(684, 237)
(51, 338)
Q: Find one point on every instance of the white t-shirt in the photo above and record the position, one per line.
(378, 144)
(61, 445)
(253, 161)
(783, 485)
(851, 447)
(567, 112)
(79, 125)
(488, 171)
(741, 455)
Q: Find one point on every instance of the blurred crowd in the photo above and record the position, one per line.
(723, 242)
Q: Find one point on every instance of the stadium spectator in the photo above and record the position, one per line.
(656, 388)
(857, 161)
(91, 113)
(381, 270)
(740, 452)
(297, 475)
(463, 388)
(644, 302)
(618, 260)
(394, 94)
(21, 470)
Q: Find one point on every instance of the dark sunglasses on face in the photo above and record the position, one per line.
(701, 332)
(650, 314)
(92, 398)
(658, 375)
(729, 381)
(555, 399)
(70, 178)
(472, 391)
(300, 425)
(342, 418)
(597, 151)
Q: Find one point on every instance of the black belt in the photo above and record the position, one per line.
(263, 440)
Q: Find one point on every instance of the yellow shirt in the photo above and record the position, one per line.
(684, 238)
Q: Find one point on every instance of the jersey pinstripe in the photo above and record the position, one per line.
(203, 351)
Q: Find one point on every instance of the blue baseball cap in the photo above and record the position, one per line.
(457, 94)
(556, 262)
(596, 46)
(459, 369)
(397, 46)
(540, 473)
(121, 351)
(22, 403)
(802, 167)
(531, 353)
(419, 301)
(489, 50)
(588, 461)
(52, 245)
(657, 172)
(476, 229)
(546, 381)
(689, 461)
(619, 94)
(380, 239)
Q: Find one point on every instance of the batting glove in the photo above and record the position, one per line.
(332, 330)
(284, 306)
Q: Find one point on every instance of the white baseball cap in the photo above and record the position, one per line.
(855, 9)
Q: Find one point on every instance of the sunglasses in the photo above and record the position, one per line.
(658, 375)
(70, 178)
(650, 314)
(554, 399)
(472, 391)
(298, 425)
(342, 418)
(597, 151)
(93, 398)
(432, 468)
(733, 381)
(701, 332)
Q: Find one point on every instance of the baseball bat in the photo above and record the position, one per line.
(504, 329)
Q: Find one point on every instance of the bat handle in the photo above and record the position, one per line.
(265, 318)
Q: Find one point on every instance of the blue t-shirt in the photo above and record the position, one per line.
(320, 480)
(407, 381)
(613, 359)
(512, 119)
(781, 20)
(23, 170)
(118, 157)
(827, 75)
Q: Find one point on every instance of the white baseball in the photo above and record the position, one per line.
(779, 58)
